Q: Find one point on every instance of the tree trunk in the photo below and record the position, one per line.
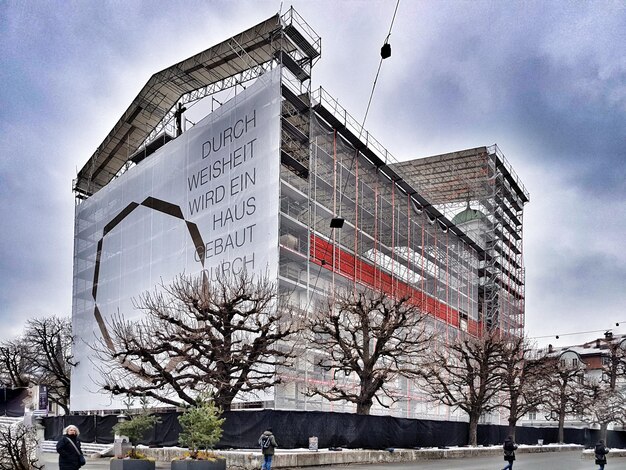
(224, 400)
(473, 429)
(604, 431)
(512, 426)
(64, 407)
(561, 426)
(512, 417)
(363, 408)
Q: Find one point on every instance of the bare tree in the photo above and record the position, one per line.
(18, 448)
(14, 365)
(522, 376)
(604, 406)
(371, 335)
(563, 389)
(606, 403)
(224, 337)
(467, 374)
(48, 342)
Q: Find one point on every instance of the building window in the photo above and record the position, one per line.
(532, 415)
(575, 363)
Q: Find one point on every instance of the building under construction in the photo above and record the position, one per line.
(446, 230)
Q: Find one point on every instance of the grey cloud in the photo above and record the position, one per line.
(595, 275)
(570, 109)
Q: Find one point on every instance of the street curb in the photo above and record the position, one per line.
(613, 453)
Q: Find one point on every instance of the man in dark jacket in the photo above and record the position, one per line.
(601, 452)
(509, 452)
(267, 441)
(70, 454)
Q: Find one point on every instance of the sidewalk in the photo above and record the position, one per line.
(51, 462)
(251, 459)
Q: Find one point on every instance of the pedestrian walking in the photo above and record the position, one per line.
(267, 441)
(509, 452)
(601, 452)
(70, 454)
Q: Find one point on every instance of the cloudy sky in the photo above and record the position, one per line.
(546, 81)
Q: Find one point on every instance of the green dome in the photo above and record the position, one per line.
(467, 215)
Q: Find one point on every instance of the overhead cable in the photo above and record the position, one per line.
(384, 53)
(557, 336)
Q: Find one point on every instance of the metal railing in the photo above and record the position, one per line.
(321, 96)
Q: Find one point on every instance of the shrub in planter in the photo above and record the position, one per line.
(134, 429)
(201, 429)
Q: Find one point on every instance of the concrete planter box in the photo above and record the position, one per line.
(132, 464)
(199, 464)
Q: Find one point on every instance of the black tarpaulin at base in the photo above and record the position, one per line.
(331, 429)
(293, 429)
(489, 434)
(12, 401)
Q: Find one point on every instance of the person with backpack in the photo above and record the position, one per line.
(267, 442)
(600, 452)
(509, 448)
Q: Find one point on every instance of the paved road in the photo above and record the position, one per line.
(544, 461)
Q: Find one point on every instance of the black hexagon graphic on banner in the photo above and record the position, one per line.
(152, 203)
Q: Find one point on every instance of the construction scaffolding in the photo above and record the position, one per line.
(149, 121)
(445, 231)
(351, 217)
(479, 191)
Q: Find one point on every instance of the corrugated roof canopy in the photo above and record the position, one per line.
(455, 176)
(251, 48)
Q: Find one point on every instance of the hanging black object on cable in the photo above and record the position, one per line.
(385, 51)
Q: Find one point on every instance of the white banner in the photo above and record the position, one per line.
(207, 200)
